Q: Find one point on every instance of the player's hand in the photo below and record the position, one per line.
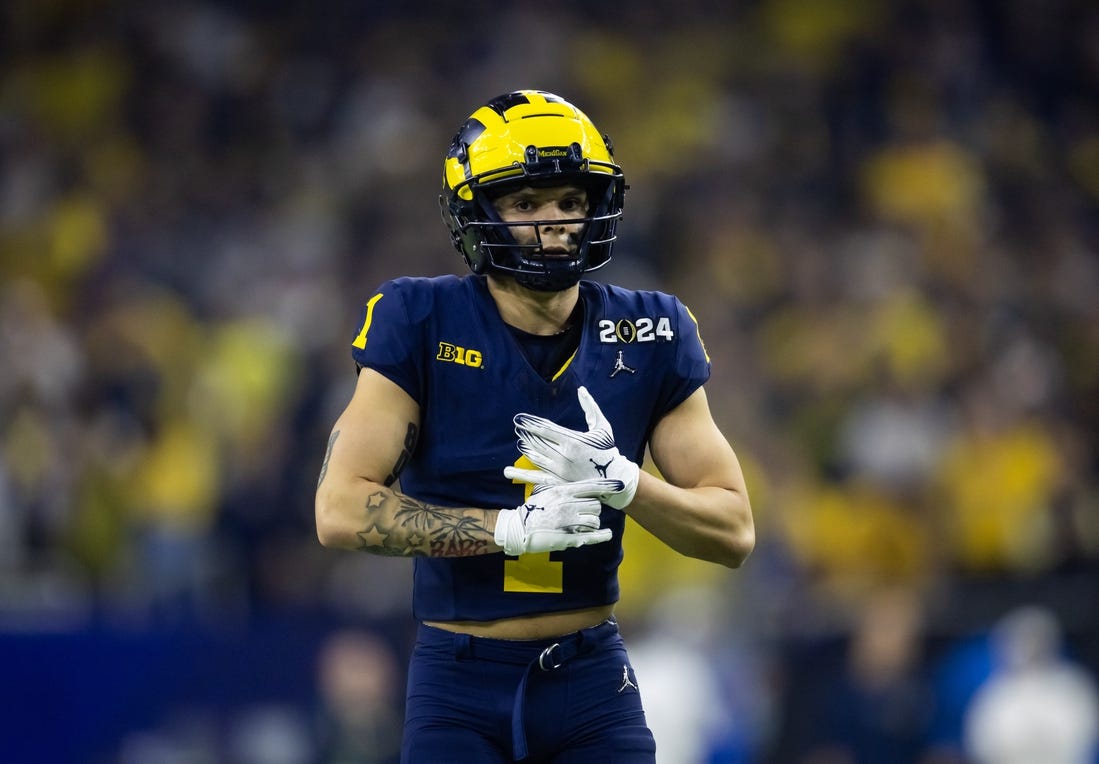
(569, 456)
(554, 518)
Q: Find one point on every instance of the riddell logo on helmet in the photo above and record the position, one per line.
(554, 152)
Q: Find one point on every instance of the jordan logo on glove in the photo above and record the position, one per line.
(601, 468)
(566, 456)
(554, 518)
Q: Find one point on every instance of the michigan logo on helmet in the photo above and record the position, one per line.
(529, 138)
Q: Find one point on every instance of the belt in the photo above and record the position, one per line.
(537, 655)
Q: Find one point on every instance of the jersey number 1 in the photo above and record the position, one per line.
(532, 572)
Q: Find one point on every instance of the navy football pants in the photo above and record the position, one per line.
(567, 699)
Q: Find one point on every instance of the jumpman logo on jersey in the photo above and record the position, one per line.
(620, 365)
(601, 468)
(626, 681)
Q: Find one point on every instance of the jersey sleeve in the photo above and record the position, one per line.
(691, 366)
(388, 339)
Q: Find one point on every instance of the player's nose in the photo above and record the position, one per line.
(553, 218)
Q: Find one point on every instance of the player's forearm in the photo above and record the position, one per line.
(708, 523)
(367, 516)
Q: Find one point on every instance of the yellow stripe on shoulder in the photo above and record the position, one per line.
(698, 333)
(360, 341)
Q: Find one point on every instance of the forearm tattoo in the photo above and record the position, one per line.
(327, 455)
(399, 526)
(406, 454)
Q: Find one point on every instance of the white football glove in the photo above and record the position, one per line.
(554, 518)
(564, 456)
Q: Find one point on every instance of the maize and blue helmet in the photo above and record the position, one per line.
(529, 138)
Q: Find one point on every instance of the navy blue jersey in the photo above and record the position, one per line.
(443, 341)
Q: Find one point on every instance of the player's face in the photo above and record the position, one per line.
(550, 207)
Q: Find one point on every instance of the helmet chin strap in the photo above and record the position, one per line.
(547, 282)
(552, 277)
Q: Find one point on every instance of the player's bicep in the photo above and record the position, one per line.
(690, 451)
(376, 434)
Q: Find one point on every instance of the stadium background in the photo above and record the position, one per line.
(883, 214)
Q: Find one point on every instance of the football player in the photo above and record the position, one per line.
(514, 406)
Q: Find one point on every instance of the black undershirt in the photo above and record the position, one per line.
(547, 353)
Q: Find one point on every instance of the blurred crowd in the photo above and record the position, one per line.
(885, 216)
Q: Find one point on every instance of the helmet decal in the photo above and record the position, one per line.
(503, 103)
(459, 147)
